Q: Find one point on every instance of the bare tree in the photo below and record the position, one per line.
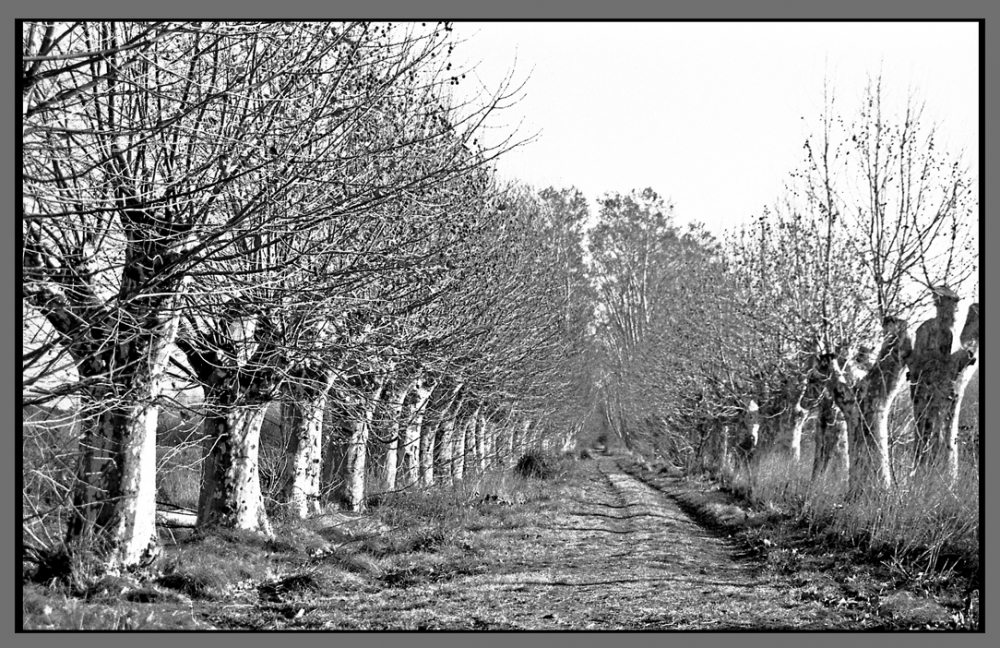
(939, 374)
(123, 166)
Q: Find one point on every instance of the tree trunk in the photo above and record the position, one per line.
(445, 439)
(395, 422)
(866, 408)
(336, 420)
(750, 433)
(568, 441)
(440, 454)
(489, 442)
(508, 450)
(230, 484)
(351, 492)
(722, 447)
(240, 381)
(830, 448)
(520, 439)
(410, 450)
(516, 435)
(458, 458)
(479, 432)
(121, 507)
(725, 454)
(800, 398)
(305, 447)
(938, 378)
(802, 395)
(122, 342)
(800, 415)
(123, 527)
(468, 448)
(430, 432)
(425, 443)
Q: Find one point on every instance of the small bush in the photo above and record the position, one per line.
(46, 566)
(538, 465)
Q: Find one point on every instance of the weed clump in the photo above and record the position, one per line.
(202, 582)
(539, 465)
(47, 566)
(295, 584)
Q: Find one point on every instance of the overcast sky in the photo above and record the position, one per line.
(708, 114)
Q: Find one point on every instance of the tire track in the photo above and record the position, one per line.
(632, 558)
(610, 552)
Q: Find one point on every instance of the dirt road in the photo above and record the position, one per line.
(596, 549)
(610, 553)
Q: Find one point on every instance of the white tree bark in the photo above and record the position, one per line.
(352, 490)
(302, 488)
(508, 458)
(480, 440)
(800, 400)
(460, 450)
(722, 442)
(489, 442)
(410, 450)
(396, 420)
(441, 452)
(116, 501)
(520, 440)
(866, 408)
(230, 492)
(129, 517)
(445, 456)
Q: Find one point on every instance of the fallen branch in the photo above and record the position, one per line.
(176, 519)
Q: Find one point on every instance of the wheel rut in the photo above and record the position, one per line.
(617, 553)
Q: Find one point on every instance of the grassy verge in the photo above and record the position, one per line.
(910, 555)
(923, 524)
(228, 579)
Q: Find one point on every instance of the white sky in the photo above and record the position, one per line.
(707, 114)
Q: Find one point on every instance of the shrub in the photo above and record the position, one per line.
(539, 465)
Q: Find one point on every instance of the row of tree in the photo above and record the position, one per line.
(293, 213)
(298, 217)
(709, 348)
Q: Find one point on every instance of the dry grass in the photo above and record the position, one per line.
(410, 537)
(923, 522)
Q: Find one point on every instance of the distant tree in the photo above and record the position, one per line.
(655, 291)
(877, 215)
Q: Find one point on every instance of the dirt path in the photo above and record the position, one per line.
(611, 553)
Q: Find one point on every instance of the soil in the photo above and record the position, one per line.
(619, 554)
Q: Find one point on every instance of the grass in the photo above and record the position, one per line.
(44, 610)
(925, 527)
(907, 557)
(410, 537)
(178, 476)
